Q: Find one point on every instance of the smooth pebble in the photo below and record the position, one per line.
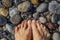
(42, 7)
(3, 21)
(53, 6)
(15, 19)
(24, 7)
(56, 36)
(13, 11)
(42, 19)
(4, 12)
(7, 3)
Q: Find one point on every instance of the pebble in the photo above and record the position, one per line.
(55, 18)
(59, 28)
(56, 36)
(15, 19)
(35, 2)
(35, 15)
(3, 39)
(58, 9)
(42, 19)
(52, 26)
(9, 27)
(7, 3)
(42, 7)
(3, 21)
(24, 7)
(13, 11)
(4, 12)
(53, 6)
(18, 1)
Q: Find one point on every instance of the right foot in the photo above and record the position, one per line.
(39, 31)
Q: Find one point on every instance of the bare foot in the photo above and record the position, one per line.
(23, 31)
(39, 31)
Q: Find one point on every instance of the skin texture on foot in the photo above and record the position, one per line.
(39, 31)
(23, 31)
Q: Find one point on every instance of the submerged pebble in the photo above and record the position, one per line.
(42, 19)
(56, 36)
(3, 39)
(7, 3)
(24, 7)
(53, 6)
(3, 21)
(35, 2)
(4, 12)
(15, 19)
(42, 7)
(13, 11)
(9, 27)
(35, 15)
(55, 18)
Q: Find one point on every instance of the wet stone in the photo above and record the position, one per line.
(35, 2)
(35, 15)
(18, 1)
(52, 26)
(15, 19)
(55, 18)
(24, 7)
(42, 19)
(13, 11)
(58, 9)
(4, 12)
(3, 21)
(59, 28)
(42, 7)
(56, 36)
(3, 39)
(7, 3)
(10, 27)
(53, 6)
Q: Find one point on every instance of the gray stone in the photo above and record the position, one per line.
(15, 19)
(35, 15)
(53, 6)
(24, 7)
(42, 7)
(10, 27)
(3, 21)
(42, 19)
(13, 11)
(56, 36)
(3, 39)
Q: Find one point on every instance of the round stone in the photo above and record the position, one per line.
(18, 1)
(42, 7)
(35, 2)
(15, 19)
(52, 26)
(35, 15)
(24, 7)
(7, 3)
(53, 6)
(55, 18)
(13, 11)
(4, 12)
(10, 27)
(56, 36)
(42, 19)
(3, 21)
(3, 39)
(59, 28)
(58, 9)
